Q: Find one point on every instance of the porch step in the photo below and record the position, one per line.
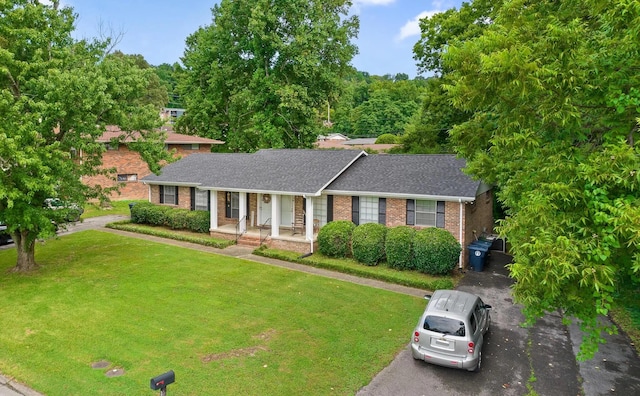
(249, 240)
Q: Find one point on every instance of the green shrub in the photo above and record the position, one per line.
(174, 218)
(387, 138)
(158, 215)
(198, 221)
(367, 243)
(177, 219)
(140, 212)
(334, 239)
(436, 251)
(399, 247)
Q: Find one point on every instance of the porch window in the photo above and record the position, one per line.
(169, 195)
(200, 199)
(320, 210)
(232, 205)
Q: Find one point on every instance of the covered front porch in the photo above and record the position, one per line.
(275, 220)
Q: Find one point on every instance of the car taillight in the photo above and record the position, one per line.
(471, 346)
(416, 336)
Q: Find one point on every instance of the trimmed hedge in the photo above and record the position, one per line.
(198, 221)
(436, 251)
(399, 247)
(334, 239)
(367, 243)
(174, 218)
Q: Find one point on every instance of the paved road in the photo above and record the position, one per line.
(515, 360)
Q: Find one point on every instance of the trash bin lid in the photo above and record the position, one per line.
(478, 246)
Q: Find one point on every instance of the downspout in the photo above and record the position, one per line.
(461, 231)
(306, 225)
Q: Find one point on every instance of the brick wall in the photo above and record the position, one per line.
(341, 207)
(479, 217)
(299, 247)
(184, 197)
(128, 162)
(476, 216)
(396, 212)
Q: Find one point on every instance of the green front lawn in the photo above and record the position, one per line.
(224, 325)
(115, 208)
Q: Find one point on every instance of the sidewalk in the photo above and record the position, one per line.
(8, 387)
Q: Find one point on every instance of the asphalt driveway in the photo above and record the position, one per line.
(516, 360)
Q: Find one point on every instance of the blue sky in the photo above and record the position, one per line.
(157, 29)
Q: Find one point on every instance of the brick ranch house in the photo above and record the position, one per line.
(281, 197)
(131, 168)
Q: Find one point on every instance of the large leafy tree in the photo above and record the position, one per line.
(157, 90)
(374, 105)
(428, 131)
(554, 88)
(167, 74)
(258, 75)
(56, 97)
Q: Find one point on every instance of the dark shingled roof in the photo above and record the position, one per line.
(270, 171)
(407, 175)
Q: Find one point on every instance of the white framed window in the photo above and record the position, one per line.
(426, 212)
(202, 200)
(368, 210)
(320, 210)
(169, 195)
(194, 146)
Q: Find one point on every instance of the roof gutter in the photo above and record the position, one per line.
(402, 196)
(162, 183)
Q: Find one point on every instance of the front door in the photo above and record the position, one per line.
(265, 210)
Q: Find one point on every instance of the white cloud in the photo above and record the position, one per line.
(412, 27)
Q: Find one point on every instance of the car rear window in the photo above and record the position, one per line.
(444, 325)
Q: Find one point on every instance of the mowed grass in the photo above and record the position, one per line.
(225, 326)
(114, 208)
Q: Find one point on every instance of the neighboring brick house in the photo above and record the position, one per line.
(131, 168)
(292, 193)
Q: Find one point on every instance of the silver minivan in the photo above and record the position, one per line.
(451, 330)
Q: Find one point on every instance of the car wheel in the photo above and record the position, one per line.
(477, 369)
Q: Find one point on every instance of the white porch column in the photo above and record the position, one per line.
(242, 211)
(275, 215)
(213, 212)
(308, 218)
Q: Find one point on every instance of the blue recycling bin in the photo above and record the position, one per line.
(483, 242)
(478, 255)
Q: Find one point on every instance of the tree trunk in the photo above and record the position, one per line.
(26, 247)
